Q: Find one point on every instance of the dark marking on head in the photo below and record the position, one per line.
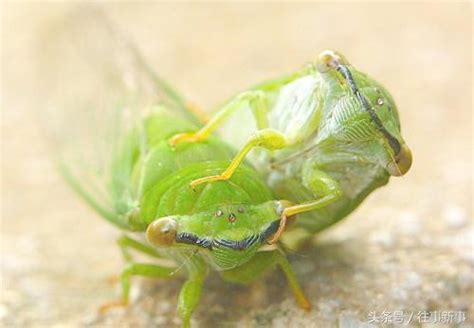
(392, 141)
(238, 245)
(271, 229)
(186, 238)
(191, 239)
(232, 218)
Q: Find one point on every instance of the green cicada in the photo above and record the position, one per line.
(117, 156)
(330, 136)
(222, 226)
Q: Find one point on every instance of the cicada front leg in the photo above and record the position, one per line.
(140, 269)
(322, 186)
(267, 138)
(254, 99)
(261, 262)
(125, 243)
(136, 269)
(190, 295)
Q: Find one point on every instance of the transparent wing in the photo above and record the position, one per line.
(96, 89)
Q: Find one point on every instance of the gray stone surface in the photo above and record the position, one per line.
(408, 248)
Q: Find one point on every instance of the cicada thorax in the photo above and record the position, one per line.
(225, 223)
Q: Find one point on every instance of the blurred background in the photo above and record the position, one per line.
(408, 248)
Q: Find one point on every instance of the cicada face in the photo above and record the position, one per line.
(227, 235)
(363, 113)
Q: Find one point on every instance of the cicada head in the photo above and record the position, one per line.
(227, 235)
(359, 111)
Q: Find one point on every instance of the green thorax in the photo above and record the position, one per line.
(161, 178)
(225, 222)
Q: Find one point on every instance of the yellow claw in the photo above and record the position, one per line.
(182, 137)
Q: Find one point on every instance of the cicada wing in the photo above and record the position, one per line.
(97, 89)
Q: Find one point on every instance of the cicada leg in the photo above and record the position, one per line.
(255, 99)
(267, 138)
(259, 264)
(320, 184)
(136, 269)
(149, 270)
(125, 243)
(190, 295)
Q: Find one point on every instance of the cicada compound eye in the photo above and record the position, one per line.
(162, 232)
(329, 59)
(402, 163)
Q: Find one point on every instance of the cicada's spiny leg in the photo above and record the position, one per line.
(267, 138)
(137, 269)
(320, 184)
(125, 243)
(285, 266)
(261, 262)
(190, 295)
(255, 99)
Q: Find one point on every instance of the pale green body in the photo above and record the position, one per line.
(325, 140)
(326, 131)
(151, 180)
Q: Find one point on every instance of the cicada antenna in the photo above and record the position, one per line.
(293, 156)
(184, 262)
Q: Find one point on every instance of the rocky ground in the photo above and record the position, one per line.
(405, 253)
